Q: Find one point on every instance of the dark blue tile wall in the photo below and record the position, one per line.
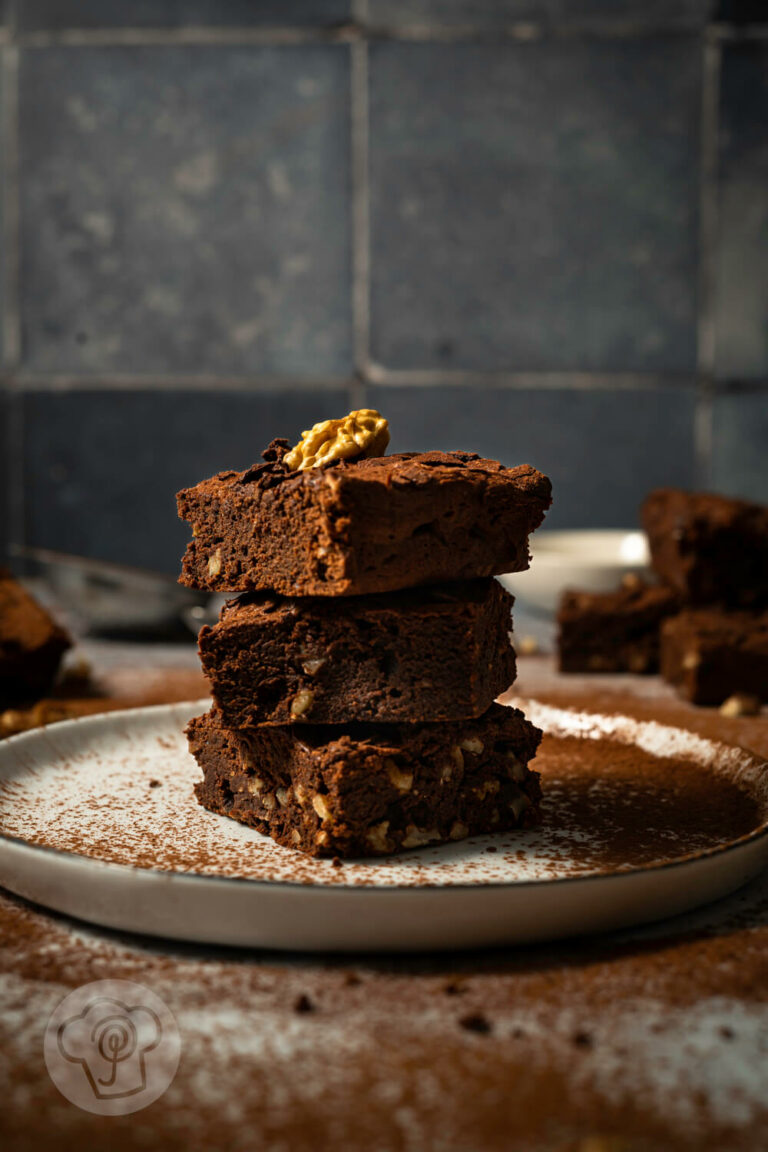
(742, 257)
(102, 468)
(740, 444)
(185, 209)
(534, 206)
(602, 450)
(228, 233)
(43, 15)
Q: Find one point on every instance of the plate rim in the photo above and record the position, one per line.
(101, 719)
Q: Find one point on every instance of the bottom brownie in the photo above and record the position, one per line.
(613, 631)
(709, 654)
(370, 790)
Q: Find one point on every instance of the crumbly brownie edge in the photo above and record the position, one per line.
(352, 798)
(370, 526)
(374, 659)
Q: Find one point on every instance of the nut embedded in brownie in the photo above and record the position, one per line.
(710, 549)
(31, 644)
(613, 631)
(437, 653)
(370, 790)
(359, 526)
(710, 655)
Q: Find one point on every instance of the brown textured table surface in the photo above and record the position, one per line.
(649, 1040)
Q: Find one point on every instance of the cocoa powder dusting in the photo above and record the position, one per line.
(645, 1041)
(607, 805)
(677, 1019)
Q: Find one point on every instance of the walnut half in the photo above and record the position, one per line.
(361, 433)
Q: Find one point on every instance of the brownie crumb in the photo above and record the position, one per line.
(475, 1022)
(303, 1004)
(740, 704)
(336, 863)
(352, 979)
(727, 1033)
(455, 988)
(582, 1039)
(154, 783)
(491, 848)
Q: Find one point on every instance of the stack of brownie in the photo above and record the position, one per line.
(705, 624)
(354, 676)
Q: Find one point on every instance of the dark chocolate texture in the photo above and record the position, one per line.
(709, 654)
(367, 790)
(710, 549)
(437, 653)
(613, 631)
(363, 526)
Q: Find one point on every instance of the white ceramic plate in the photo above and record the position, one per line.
(98, 820)
(590, 560)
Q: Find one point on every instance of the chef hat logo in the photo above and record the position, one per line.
(111, 1041)
(112, 1047)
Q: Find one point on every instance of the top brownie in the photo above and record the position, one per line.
(710, 549)
(355, 527)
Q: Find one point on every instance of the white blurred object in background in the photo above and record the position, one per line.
(592, 560)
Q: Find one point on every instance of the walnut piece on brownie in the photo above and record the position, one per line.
(710, 655)
(359, 526)
(379, 658)
(710, 549)
(613, 631)
(370, 790)
(31, 644)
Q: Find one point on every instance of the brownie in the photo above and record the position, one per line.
(709, 654)
(31, 644)
(613, 631)
(360, 526)
(711, 549)
(437, 653)
(367, 790)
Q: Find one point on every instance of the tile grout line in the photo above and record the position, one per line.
(708, 204)
(121, 382)
(361, 27)
(377, 376)
(11, 210)
(186, 36)
(361, 259)
(13, 470)
(708, 211)
(577, 380)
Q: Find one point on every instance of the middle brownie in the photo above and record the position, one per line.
(438, 653)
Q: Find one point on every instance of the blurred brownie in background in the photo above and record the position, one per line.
(710, 549)
(710, 655)
(613, 631)
(31, 644)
